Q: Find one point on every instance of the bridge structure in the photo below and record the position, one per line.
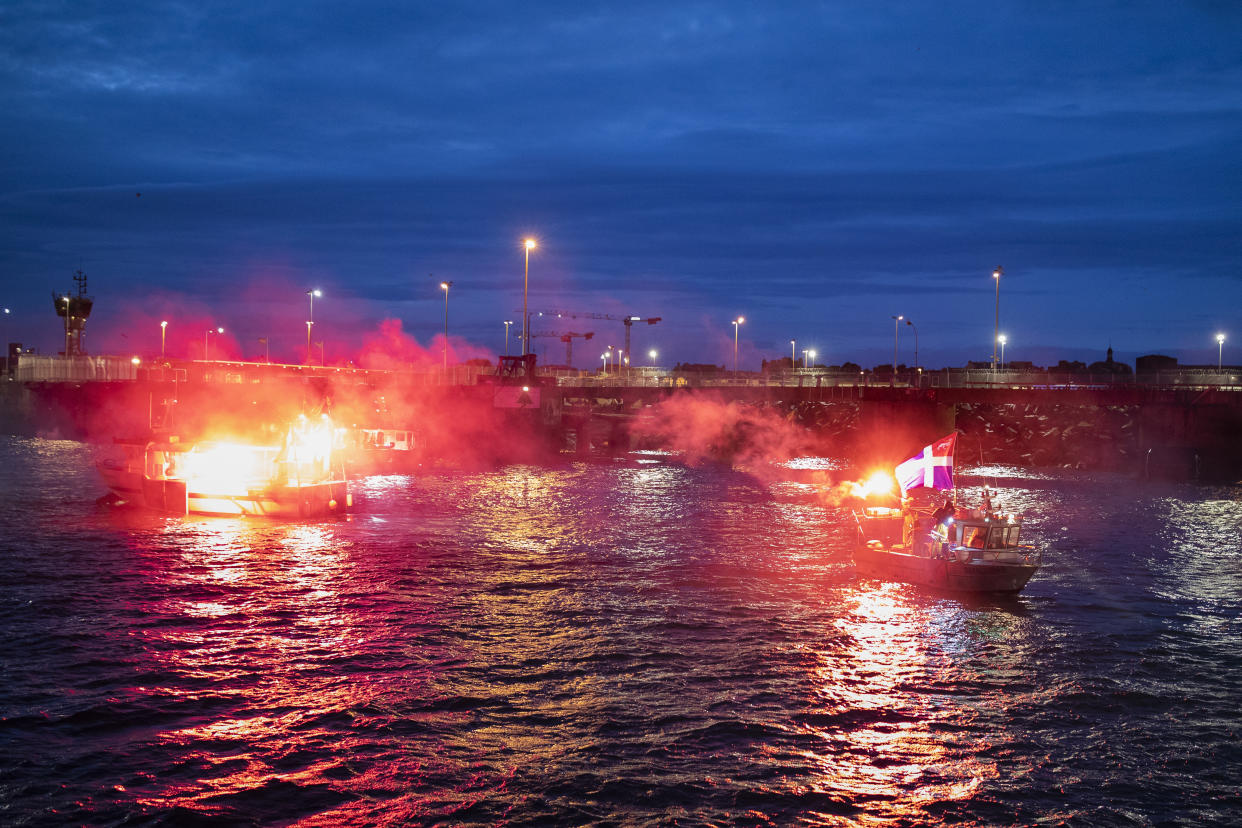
(1185, 426)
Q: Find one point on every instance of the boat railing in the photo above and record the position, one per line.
(1024, 554)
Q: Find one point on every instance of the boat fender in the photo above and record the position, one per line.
(332, 504)
(349, 500)
(963, 555)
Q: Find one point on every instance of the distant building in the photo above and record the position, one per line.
(1108, 366)
(1153, 363)
(697, 368)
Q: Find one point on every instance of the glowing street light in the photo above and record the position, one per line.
(529, 244)
(310, 322)
(508, 322)
(996, 274)
(652, 354)
(1220, 349)
(811, 356)
(444, 286)
(1002, 339)
(163, 332)
(6, 351)
(736, 324)
(604, 356)
(206, 333)
(793, 362)
(896, 327)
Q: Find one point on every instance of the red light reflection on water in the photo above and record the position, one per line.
(887, 750)
(253, 665)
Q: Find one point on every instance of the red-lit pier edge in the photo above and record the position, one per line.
(1174, 428)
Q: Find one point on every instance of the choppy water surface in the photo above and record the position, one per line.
(609, 643)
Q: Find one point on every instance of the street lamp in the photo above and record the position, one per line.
(206, 333)
(1002, 339)
(508, 322)
(444, 286)
(896, 323)
(604, 358)
(793, 362)
(652, 354)
(1220, 348)
(736, 324)
(530, 245)
(163, 332)
(996, 274)
(809, 359)
(916, 343)
(6, 350)
(310, 322)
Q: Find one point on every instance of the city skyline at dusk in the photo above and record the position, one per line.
(816, 171)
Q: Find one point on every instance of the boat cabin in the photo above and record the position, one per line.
(987, 532)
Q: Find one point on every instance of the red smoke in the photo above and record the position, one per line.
(704, 427)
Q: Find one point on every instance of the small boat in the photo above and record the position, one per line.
(949, 548)
(972, 550)
(298, 479)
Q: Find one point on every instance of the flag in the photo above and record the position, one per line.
(932, 467)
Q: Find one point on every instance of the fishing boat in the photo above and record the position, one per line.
(302, 477)
(948, 547)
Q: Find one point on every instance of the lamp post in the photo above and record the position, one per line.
(163, 333)
(508, 322)
(321, 360)
(310, 321)
(1220, 349)
(6, 348)
(896, 324)
(1002, 339)
(793, 361)
(206, 333)
(737, 323)
(996, 274)
(809, 359)
(530, 245)
(652, 354)
(916, 343)
(444, 286)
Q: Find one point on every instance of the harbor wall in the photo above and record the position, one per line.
(1191, 438)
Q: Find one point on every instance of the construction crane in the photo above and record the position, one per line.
(568, 338)
(627, 321)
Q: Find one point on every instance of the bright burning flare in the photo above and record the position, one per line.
(879, 484)
(228, 468)
(240, 469)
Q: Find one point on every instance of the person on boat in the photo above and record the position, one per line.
(944, 512)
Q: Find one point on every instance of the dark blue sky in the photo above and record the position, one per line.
(817, 168)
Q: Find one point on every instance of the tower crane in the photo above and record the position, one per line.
(627, 321)
(568, 338)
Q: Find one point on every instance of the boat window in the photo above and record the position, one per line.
(974, 536)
